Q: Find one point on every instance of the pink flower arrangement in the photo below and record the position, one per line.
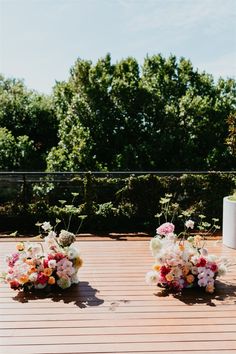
(183, 263)
(165, 229)
(33, 268)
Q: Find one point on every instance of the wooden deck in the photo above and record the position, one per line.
(112, 310)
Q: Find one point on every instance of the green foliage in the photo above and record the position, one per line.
(121, 204)
(162, 116)
(30, 115)
(15, 153)
(231, 139)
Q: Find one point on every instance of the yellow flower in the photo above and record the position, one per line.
(156, 267)
(181, 247)
(47, 272)
(169, 277)
(20, 246)
(23, 279)
(51, 280)
(78, 262)
(190, 278)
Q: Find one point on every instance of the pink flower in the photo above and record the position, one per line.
(165, 229)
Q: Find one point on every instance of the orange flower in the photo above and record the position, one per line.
(190, 278)
(210, 288)
(20, 246)
(156, 267)
(23, 279)
(32, 270)
(169, 277)
(181, 247)
(78, 262)
(51, 280)
(29, 261)
(47, 272)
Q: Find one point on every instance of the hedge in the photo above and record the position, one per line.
(119, 204)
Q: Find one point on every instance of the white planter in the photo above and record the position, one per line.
(229, 222)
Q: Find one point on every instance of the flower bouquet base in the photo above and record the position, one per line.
(36, 268)
(183, 264)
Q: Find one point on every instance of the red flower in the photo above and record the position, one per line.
(201, 262)
(14, 284)
(45, 263)
(214, 267)
(58, 256)
(51, 256)
(42, 278)
(164, 270)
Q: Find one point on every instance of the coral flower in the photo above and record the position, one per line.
(169, 277)
(210, 288)
(51, 280)
(47, 272)
(190, 278)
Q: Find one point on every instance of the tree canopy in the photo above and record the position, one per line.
(162, 115)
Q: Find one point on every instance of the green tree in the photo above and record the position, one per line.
(25, 112)
(15, 153)
(164, 115)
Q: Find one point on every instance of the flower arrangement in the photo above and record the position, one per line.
(30, 267)
(182, 261)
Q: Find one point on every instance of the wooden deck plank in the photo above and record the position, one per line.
(112, 310)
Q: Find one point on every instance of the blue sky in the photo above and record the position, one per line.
(41, 39)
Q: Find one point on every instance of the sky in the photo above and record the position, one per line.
(40, 40)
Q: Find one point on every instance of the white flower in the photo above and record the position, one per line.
(194, 259)
(189, 224)
(72, 252)
(155, 245)
(204, 252)
(33, 277)
(52, 263)
(152, 278)
(222, 270)
(74, 278)
(46, 226)
(212, 258)
(52, 235)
